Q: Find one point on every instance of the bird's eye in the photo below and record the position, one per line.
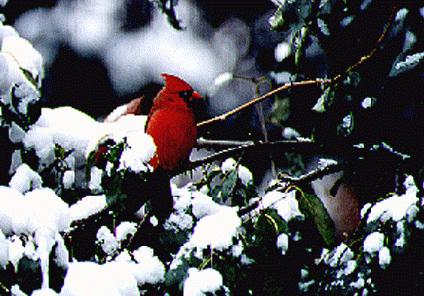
(186, 95)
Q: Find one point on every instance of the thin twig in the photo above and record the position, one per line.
(206, 143)
(312, 175)
(380, 40)
(297, 182)
(282, 146)
(256, 100)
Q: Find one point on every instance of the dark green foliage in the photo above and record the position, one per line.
(313, 208)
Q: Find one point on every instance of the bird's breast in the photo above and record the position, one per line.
(174, 133)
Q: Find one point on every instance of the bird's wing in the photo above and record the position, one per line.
(133, 107)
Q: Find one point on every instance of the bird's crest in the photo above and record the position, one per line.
(175, 84)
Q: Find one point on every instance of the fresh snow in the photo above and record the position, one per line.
(216, 230)
(395, 207)
(374, 242)
(115, 278)
(25, 179)
(87, 206)
(200, 282)
(285, 203)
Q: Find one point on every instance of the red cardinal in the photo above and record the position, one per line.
(171, 123)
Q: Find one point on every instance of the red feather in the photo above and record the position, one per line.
(171, 123)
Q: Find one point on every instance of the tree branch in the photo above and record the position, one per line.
(312, 175)
(222, 117)
(206, 143)
(299, 181)
(374, 50)
(281, 146)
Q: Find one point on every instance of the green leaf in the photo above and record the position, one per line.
(177, 275)
(29, 274)
(302, 45)
(280, 111)
(280, 225)
(324, 101)
(268, 226)
(226, 188)
(29, 77)
(277, 21)
(59, 151)
(312, 206)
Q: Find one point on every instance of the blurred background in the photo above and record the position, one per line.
(100, 53)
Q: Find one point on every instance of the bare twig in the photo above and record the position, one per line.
(305, 146)
(297, 182)
(282, 146)
(312, 175)
(374, 50)
(222, 117)
(206, 143)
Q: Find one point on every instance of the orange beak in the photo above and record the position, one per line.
(196, 96)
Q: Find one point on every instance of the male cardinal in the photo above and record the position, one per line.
(171, 123)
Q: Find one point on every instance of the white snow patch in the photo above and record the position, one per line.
(16, 250)
(87, 206)
(282, 51)
(350, 267)
(40, 208)
(285, 203)
(358, 284)
(124, 230)
(95, 183)
(107, 240)
(180, 220)
(228, 165)
(24, 54)
(245, 175)
(216, 230)
(374, 242)
(45, 210)
(149, 268)
(110, 279)
(395, 207)
(139, 151)
(4, 250)
(10, 75)
(201, 282)
(16, 291)
(68, 179)
(25, 179)
(16, 133)
(44, 292)
(203, 205)
(283, 243)
(58, 126)
(384, 257)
